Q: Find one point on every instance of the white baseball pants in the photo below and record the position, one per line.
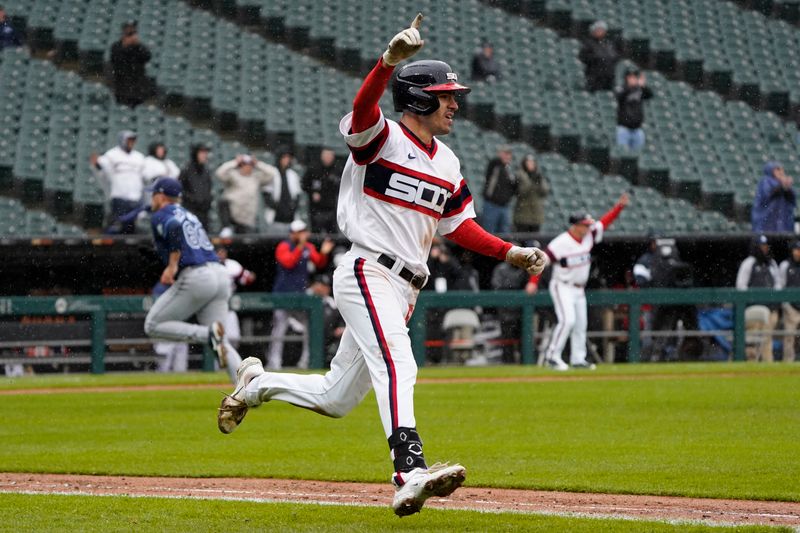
(375, 350)
(570, 305)
(280, 323)
(174, 356)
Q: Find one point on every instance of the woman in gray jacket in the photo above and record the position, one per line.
(531, 193)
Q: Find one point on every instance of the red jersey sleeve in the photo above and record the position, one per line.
(319, 260)
(471, 236)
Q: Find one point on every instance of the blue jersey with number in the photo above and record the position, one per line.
(176, 229)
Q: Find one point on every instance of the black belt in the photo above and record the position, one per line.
(416, 280)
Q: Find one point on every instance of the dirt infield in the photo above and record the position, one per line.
(481, 499)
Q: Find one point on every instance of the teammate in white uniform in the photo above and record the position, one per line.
(399, 186)
(570, 254)
(240, 277)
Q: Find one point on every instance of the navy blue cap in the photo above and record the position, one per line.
(762, 239)
(168, 186)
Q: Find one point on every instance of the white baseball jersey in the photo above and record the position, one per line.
(395, 192)
(572, 259)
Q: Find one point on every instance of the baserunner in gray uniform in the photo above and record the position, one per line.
(199, 283)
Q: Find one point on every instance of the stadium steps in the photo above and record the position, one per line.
(196, 100)
(563, 118)
(704, 43)
(275, 23)
(52, 120)
(579, 139)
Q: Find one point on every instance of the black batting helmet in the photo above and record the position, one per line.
(581, 217)
(414, 86)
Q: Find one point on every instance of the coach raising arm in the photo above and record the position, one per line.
(399, 187)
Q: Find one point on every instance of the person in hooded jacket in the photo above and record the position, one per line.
(775, 201)
(600, 57)
(759, 270)
(121, 172)
(242, 178)
(532, 189)
(321, 184)
(196, 180)
(282, 195)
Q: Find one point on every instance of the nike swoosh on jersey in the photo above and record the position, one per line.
(412, 156)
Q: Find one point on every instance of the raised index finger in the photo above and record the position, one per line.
(417, 22)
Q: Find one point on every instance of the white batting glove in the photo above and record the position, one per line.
(532, 260)
(405, 44)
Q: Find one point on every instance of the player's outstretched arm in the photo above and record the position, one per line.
(471, 236)
(612, 214)
(402, 46)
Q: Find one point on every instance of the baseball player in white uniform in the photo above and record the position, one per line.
(240, 277)
(399, 187)
(570, 253)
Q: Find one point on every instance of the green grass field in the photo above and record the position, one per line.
(725, 431)
(103, 515)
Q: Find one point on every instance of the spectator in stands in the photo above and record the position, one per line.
(444, 268)
(789, 277)
(121, 171)
(321, 184)
(498, 191)
(8, 35)
(484, 64)
(630, 110)
(532, 189)
(156, 163)
(282, 195)
(774, 204)
(292, 257)
(196, 180)
(600, 56)
(759, 270)
(128, 59)
(242, 178)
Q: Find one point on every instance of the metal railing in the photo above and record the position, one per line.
(98, 307)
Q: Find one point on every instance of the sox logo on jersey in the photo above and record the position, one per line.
(405, 187)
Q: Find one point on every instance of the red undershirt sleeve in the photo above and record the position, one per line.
(471, 236)
(365, 105)
(611, 215)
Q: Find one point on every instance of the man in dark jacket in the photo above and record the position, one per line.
(321, 184)
(128, 59)
(500, 188)
(196, 180)
(8, 35)
(484, 64)
(630, 110)
(600, 57)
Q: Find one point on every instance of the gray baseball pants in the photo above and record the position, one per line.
(202, 291)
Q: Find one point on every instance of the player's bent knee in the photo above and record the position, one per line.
(150, 327)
